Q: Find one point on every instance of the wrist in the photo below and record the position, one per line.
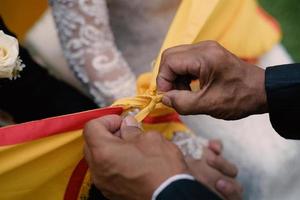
(258, 92)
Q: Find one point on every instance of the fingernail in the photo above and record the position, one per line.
(221, 184)
(131, 121)
(167, 101)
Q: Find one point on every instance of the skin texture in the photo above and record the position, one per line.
(127, 164)
(229, 87)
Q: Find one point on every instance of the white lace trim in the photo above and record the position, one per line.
(190, 144)
(89, 47)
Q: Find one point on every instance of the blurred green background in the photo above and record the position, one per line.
(287, 12)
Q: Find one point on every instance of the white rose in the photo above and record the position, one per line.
(10, 63)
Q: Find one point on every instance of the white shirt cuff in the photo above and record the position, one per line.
(169, 181)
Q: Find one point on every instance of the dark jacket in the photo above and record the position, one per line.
(178, 190)
(283, 94)
(186, 189)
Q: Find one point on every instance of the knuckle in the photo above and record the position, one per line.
(211, 43)
(166, 52)
(215, 48)
(214, 44)
(90, 125)
(167, 55)
(170, 60)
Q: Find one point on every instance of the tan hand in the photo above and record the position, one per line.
(132, 165)
(229, 87)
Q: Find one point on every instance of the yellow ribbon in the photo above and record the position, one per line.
(146, 103)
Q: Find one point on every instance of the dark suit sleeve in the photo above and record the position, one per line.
(283, 95)
(187, 190)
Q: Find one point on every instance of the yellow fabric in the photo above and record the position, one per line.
(27, 170)
(236, 24)
(20, 15)
(147, 101)
(167, 129)
(85, 188)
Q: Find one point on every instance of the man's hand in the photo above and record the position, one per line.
(132, 165)
(229, 87)
(126, 164)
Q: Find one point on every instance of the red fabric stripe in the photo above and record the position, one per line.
(76, 180)
(173, 117)
(46, 127)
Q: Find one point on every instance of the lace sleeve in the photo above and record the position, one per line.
(89, 47)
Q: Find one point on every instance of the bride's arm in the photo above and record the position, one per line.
(89, 47)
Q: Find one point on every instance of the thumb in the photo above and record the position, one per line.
(183, 101)
(130, 129)
(99, 132)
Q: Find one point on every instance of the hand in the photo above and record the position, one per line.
(216, 173)
(126, 164)
(229, 87)
(129, 165)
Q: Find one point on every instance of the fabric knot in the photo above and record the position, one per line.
(146, 103)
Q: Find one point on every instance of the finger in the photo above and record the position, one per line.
(173, 65)
(176, 49)
(130, 129)
(224, 166)
(231, 190)
(182, 101)
(216, 146)
(98, 131)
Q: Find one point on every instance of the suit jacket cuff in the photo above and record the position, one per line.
(283, 95)
(184, 188)
(169, 181)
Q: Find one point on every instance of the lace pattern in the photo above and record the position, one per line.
(89, 47)
(190, 144)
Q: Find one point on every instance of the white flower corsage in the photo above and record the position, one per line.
(10, 63)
